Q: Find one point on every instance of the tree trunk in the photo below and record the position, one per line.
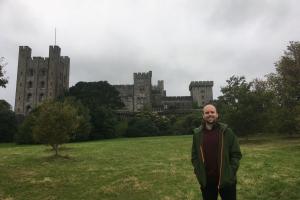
(55, 148)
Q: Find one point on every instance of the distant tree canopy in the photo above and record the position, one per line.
(3, 80)
(101, 99)
(271, 105)
(287, 84)
(93, 94)
(8, 123)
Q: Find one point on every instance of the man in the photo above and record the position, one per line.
(215, 157)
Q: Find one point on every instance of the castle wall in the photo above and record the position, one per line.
(126, 94)
(24, 62)
(201, 92)
(177, 102)
(40, 78)
(142, 91)
(145, 95)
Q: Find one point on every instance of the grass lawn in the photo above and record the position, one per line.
(142, 168)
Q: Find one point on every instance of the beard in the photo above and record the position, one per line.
(210, 121)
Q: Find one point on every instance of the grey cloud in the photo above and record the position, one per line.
(179, 41)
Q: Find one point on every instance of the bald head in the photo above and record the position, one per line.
(210, 114)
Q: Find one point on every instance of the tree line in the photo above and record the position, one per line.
(86, 111)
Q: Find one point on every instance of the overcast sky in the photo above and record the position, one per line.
(178, 40)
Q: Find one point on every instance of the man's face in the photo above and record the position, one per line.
(210, 114)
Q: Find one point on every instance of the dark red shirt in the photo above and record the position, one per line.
(210, 148)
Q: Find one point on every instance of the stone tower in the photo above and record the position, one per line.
(142, 87)
(201, 92)
(40, 78)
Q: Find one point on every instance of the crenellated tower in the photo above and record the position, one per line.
(40, 78)
(142, 87)
(201, 92)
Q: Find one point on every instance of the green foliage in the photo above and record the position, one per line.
(141, 127)
(121, 128)
(100, 98)
(3, 80)
(8, 123)
(186, 124)
(288, 70)
(93, 94)
(162, 123)
(240, 106)
(104, 121)
(82, 133)
(24, 134)
(265, 106)
(288, 86)
(152, 124)
(55, 123)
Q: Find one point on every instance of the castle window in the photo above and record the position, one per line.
(29, 97)
(202, 91)
(42, 84)
(20, 84)
(43, 72)
(28, 109)
(41, 97)
(31, 72)
(202, 96)
(29, 85)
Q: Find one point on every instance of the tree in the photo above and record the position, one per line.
(186, 124)
(101, 99)
(141, 127)
(103, 122)
(24, 134)
(55, 124)
(93, 94)
(287, 85)
(238, 106)
(82, 133)
(163, 123)
(3, 80)
(8, 123)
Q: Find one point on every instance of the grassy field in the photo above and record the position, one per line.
(142, 168)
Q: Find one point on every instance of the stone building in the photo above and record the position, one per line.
(143, 95)
(40, 78)
(201, 92)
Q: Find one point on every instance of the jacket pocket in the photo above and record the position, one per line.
(198, 176)
(228, 176)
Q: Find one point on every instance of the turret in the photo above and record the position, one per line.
(201, 92)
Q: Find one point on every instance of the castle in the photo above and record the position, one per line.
(40, 78)
(47, 78)
(143, 95)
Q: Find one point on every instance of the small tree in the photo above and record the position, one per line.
(55, 124)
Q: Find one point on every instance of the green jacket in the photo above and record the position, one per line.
(228, 158)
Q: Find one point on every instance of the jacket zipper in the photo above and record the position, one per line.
(201, 150)
(221, 164)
